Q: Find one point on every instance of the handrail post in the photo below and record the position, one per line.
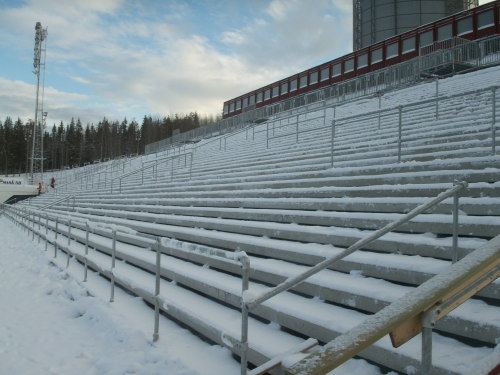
(267, 135)
(156, 335)
(454, 257)
(400, 126)
(379, 109)
(69, 242)
(46, 230)
(297, 130)
(245, 280)
(113, 257)
(493, 121)
(85, 263)
(57, 232)
(437, 97)
(331, 142)
(426, 355)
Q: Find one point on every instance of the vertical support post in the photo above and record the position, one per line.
(113, 257)
(493, 121)
(253, 132)
(379, 109)
(400, 128)
(46, 231)
(57, 232)
(297, 130)
(331, 142)
(69, 242)
(85, 263)
(437, 97)
(455, 227)
(156, 335)
(267, 135)
(39, 228)
(426, 361)
(220, 143)
(245, 265)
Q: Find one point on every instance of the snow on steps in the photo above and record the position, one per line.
(297, 313)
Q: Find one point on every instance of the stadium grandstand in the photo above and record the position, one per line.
(355, 223)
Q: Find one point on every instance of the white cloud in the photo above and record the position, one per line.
(17, 99)
(133, 63)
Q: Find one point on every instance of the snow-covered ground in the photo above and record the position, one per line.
(51, 323)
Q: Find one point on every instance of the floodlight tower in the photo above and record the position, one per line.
(36, 164)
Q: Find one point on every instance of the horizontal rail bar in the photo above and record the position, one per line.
(251, 302)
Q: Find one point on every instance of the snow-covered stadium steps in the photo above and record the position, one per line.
(471, 206)
(403, 243)
(387, 262)
(482, 226)
(398, 181)
(208, 318)
(317, 320)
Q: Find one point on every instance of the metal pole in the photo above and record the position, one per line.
(331, 142)
(379, 109)
(455, 227)
(267, 135)
(245, 265)
(157, 291)
(46, 230)
(113, 256)
(55, 242)
(400, 126)
(69, 241)
(297, 130)
(85, 269)
(493, 121)
(437, 97)
(426, 360)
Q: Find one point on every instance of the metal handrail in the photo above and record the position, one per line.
(407, 72)
(416, 311)
(58, 201)
(152, 166)
(249, 302)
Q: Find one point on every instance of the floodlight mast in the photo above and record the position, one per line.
(36, 164)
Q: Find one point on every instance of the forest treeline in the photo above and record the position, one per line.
(68, 145)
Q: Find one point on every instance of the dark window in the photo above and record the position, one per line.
(325, 73)
(376, 55)
(284, 88)
(313, 78)
(349, 65)
(391, 51)
(245, 102)
(336, 71)
(303, 81)
(485, 19)
(445, 32)
(276, 91)
(267, 94)
(293, 85)
(226, 109)
(259, 97)
(409, 44)
(231, 107)
(426, 38)
(238, 104)
(252, 100)
(464, 26)
(363, 60)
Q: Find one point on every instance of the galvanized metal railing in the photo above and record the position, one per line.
(478, 53)
(153, 166)
(250, 302)
(417, 311)
(432, 104)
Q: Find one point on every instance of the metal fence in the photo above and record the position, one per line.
(468, 55)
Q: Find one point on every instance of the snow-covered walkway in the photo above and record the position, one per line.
(50, 324)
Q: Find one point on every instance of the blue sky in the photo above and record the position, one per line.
(118, 58)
